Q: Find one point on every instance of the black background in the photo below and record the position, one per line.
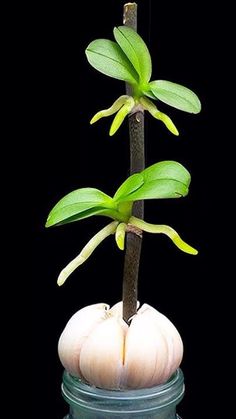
(68, 153)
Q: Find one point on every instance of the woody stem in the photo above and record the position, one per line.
(137, 163)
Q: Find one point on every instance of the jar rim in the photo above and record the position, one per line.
(80, 394)
(147, 392)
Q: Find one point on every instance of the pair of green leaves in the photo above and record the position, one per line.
(128, 59)
(167, 179)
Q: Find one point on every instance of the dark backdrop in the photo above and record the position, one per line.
(68, 153)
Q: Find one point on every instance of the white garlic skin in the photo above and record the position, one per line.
(98, 346)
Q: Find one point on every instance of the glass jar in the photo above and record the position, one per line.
(88, 402)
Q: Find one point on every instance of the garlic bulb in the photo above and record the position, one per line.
(100, 348)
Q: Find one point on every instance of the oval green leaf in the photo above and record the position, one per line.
(107, 57)
(79, 204)
(167, 179)
(167, 169)
(136, 51)
(175, 95)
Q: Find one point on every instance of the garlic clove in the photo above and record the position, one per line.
(171, 336)
(176, 348)
(78, 328)
(145, 353)
(102, 354)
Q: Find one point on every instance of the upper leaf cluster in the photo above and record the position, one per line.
(128, 59)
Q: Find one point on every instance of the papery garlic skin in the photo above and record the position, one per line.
(98, 346)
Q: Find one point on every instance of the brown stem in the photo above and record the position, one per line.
(137, 163)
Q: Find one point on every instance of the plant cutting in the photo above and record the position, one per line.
(117, 357)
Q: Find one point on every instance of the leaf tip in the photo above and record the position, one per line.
(198, 107)
(48, 223)
(116, 29)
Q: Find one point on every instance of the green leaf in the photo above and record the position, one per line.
(136, 50)
(175, 95)
(108, 58)
(114, 214)
(167, 179)
(167, 169)
(159, 189)
(79, 204)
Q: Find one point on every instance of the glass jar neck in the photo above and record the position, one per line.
(89, 402)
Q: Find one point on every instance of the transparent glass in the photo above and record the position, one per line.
(89, 402)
